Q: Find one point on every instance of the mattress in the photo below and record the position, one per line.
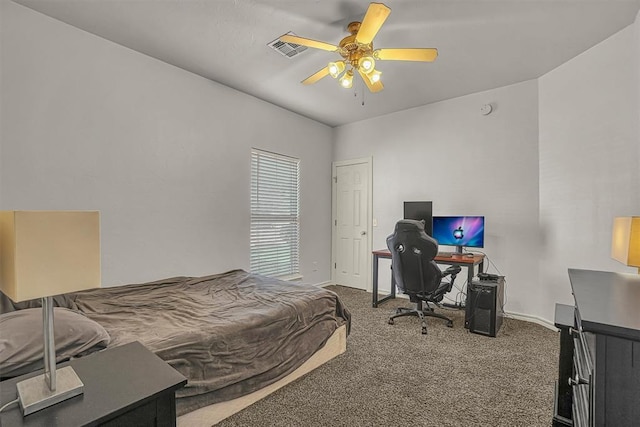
(230, 334)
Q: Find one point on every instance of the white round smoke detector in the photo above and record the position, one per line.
(486, 109)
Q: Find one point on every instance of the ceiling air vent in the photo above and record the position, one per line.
(287, 49)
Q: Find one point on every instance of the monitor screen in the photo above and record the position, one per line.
(419, 211)
(459, 230)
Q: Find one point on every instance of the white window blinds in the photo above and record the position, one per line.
(275, 207)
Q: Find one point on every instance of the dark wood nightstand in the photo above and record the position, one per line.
(123, 386)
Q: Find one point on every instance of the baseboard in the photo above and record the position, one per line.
(511, 315)
(533, 319)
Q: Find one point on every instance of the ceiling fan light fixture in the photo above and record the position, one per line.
(367, 64)
(357, 51)
(346, 81)
(374, 76)
(336, 68)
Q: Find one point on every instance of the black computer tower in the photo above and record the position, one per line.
(484, 306)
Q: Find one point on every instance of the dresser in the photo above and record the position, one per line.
(123, 386)
(599, 366)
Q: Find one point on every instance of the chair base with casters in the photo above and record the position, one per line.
(421, 313)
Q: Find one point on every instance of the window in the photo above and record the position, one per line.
(275, 208)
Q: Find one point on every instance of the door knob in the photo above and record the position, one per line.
(362, 233)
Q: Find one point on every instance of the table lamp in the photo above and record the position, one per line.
(625, 242)
(42, 254)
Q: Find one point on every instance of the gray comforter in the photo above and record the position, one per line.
(229, 334)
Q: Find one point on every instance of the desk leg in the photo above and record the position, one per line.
(377, 301)
(393, 284)
(467, 301)
(470, 271)
(375, 281)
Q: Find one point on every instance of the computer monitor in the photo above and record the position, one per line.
(459, 231)
(420, 211)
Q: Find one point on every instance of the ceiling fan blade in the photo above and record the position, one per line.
(287, 38)
(407, 54)
(373, 87)
(372, 21)
(317, 76)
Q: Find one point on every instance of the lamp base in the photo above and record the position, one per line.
(35, 395)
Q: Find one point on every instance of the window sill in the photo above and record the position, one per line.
(291, 277)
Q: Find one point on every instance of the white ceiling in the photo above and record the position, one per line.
(482, 44)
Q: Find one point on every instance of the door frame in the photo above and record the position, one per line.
(334, 215)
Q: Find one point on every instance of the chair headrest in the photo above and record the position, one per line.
(409, 232)
(410, 225)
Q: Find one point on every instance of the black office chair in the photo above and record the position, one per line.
(416, 273)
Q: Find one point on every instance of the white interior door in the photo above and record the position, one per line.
(351, 218)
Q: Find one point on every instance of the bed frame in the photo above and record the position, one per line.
(213, 414)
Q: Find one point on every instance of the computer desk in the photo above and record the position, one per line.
(461, 260)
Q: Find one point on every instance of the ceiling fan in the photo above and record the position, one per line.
(358, 53)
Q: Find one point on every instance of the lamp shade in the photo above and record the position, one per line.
(367, 64)
(335, 68)
(46, 253)
(625, 242)
(346, 81)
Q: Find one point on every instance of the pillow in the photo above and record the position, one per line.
(21, 339)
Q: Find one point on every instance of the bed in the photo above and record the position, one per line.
(236, 336)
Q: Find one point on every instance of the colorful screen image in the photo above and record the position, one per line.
(459, 230)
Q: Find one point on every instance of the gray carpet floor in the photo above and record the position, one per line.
(392, 375)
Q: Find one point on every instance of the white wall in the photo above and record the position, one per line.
(467, 164)
(637, 66)
(589, 159)
(549, 189)
(162, 153)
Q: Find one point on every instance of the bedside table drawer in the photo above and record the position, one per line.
(142, 416)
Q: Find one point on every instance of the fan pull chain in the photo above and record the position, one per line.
(363, 92)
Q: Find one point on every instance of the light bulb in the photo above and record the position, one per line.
(367, 64)
(375, 76)
(335, 68)
(346, 81)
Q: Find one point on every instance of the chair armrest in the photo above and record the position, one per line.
(453, 270)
